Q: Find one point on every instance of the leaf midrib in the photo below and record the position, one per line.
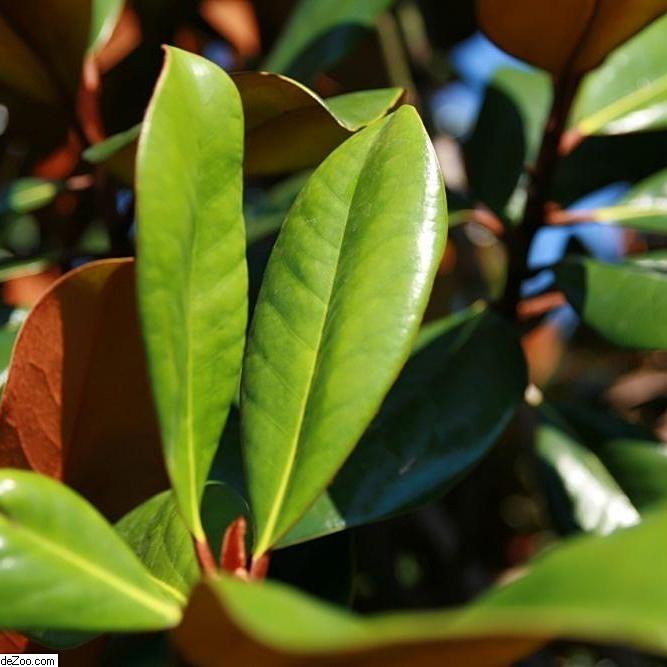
(107, 578)
(264, 543)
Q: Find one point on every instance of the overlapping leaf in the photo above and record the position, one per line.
(563, 594)
(61, 559)
(341, 301)
(452, 400)
(77, 404)
(288, 127)
(626, 303)
(192, 274)
(158, 536)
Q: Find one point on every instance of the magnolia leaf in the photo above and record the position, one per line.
(626, 303)
(340, 304)
(320, 32)
(60, 559)
(43, 44)
(563, 594)
(561, 36)
(157, 534)
(644, 207)
(629, 92)
(287, 126)
(77, 404)
(450, 403)
(579, 480)
(192, 274)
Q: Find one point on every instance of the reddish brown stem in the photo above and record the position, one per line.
(233, 555)
(539, 190)
(260, 567)
(205, 557)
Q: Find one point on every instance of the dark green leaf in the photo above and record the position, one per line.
(319, 33)
(450, 403)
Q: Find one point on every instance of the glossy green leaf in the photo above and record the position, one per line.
(156, 533)
(629, 91)
(450, 403)
(60, 559)
(319, 33)
(626, 303)
(640, 467)
(563, 594)
(192, 276)
(579, 480)
(104, 150)
(27, 194)
(644, 207)
(341, 301)
(103, 19)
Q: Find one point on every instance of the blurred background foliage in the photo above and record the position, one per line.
(75, 79)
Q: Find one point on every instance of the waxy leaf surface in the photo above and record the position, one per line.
(564, 35)
(629, 92)
(562, 594)
(158, 536)
(192, 274)
(340, 304)
(583, 493)
(450, 403)
(62, 561)
(77, 405)
(626, 303)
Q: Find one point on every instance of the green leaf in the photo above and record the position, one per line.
(563, 594)
(156, 533)
(356, 110)
(594, 500)
(60, 560)
(628, 92)
(192, 275)
(644, 207)
(341, 301)
(625, 302)
(104, 16)
(106, 149)
(319, 33)
(450, 403)
(27, 194)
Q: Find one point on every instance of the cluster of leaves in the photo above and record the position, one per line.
(149, 434)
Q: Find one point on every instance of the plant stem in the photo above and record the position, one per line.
(539, 190)
(205, 558)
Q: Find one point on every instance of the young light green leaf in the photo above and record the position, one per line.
(450, 403)
(156, 533)
(576, 475)
(27, 194)
(563, 594)
(628, 92)
(192, 275)
(319, 33)
(341, 301)
(103, 19)
(60, 559)
(626, 303)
